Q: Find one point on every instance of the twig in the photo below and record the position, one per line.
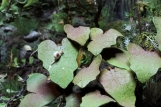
(34, 52)
(96, 18)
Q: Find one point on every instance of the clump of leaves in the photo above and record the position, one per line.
(118, 82)
(25, 25)
(61, 71)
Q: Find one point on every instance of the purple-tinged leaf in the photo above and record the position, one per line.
(42, 92)
(79, 35)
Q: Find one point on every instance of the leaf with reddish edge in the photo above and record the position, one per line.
(73, 100)
(144, 63)
(121, 60)
(85, 75)
(79, 35)
(103, 41)
(42, 92)
(119, 83)
(95, 99)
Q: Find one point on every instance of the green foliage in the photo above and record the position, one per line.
(30, 2)
(4, 4)
(146, 40)
(25, 25)
(6, 85)
(86, 58)
(106, 16)
(58, 21)
(9, 86)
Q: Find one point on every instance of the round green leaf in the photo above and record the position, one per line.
(144, 63)
(46, 51)
(61, 72)
(120, 85)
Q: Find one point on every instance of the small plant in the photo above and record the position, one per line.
(118, 81)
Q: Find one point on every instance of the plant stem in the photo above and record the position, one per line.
(138, 13)
(10, 2)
